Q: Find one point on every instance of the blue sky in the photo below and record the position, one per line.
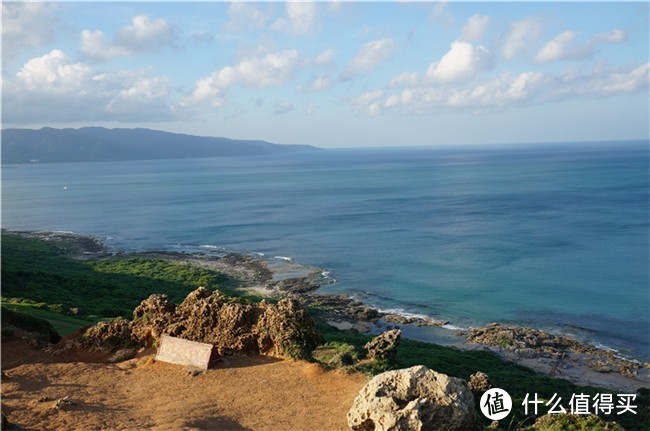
(333, 74)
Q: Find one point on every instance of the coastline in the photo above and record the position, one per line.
(278, 277)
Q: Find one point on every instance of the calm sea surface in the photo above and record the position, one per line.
(555, 237)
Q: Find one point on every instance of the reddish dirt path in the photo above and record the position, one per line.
(255, 393)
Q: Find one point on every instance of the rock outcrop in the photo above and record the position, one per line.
(282, 329)
(415, 398)
(384, 346)
(107, 336)
(479, 382)
(533, 342)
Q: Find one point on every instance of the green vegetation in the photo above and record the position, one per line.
(39, 271)
(40, 281)
(64, 324)
(517, 380)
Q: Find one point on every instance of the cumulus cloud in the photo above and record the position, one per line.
(143, 35)
(440, 14)
(244, 15)
(271, 70)
(614, 36)
(603, 82)
(53, 73)
(461, 63)
(368, 103)
(44, 84)
(520, 36)
(316, 83)
(26, 25)
(301, 18)
(325, 58)
(404, 79)
(369, 56)
(507, 90)
(564, 47)
(475, 27)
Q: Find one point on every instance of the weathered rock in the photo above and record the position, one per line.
(286, 329)
(151, 317)
(122, 355)
(528, 342)
(415, 398)
(479, 382)
(282, 329)
(63, 403)
(384, 346)
(107, 336)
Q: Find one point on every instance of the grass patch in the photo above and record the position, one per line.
(516, 380)
(64, 324)
(40, 271)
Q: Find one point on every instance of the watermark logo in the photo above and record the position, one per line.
(496, 404)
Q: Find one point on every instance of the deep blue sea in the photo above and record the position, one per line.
(551, 236)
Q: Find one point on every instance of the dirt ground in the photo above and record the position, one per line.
(240, 393)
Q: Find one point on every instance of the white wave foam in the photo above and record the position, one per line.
(211, 247)
(453, 327)
(285, 258)
(258, 253)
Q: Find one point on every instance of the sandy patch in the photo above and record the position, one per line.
(255, 393)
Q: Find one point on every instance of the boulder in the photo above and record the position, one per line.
(151, 317)
(479, 382)
(413, 399)
(107, 336)
(282, 329)
(384, 346)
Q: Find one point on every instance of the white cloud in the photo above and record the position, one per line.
(462, 63)
(369, 56)
(404, 79)
(325, 58)
(506, 90)
(53, 73)
(603, 82)
(564, 47)
(94, 44)
(368, 103)
(26, 25)
(143, 35)
(475, 27)
(521, 36)
(614, 36)
(45, 84)
(243, 15)
(301, 18)
(440, 14)
(282, 107)
(271, 70)
(316, 83)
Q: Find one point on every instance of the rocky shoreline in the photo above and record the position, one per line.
(556, 355)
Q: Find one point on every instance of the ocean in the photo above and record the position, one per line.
(550, 236)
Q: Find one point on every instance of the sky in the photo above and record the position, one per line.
(333, 74)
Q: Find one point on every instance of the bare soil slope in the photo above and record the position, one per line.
(241, 393)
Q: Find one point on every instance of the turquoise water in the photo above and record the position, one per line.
(555, 237)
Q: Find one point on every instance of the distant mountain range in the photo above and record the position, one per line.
(93, 144)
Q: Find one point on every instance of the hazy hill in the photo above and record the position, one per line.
(90, 144)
